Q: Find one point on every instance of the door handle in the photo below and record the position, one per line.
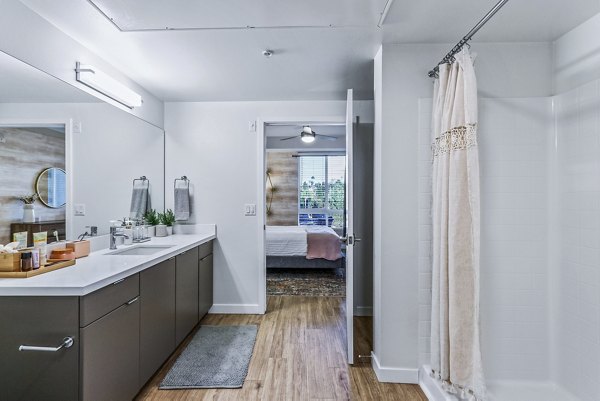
(67, 343)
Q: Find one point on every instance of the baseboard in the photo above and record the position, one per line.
(363, 311)
(433, 391)
(236, 309)
(394, 375)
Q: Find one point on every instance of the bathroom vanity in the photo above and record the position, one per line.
(105, 325)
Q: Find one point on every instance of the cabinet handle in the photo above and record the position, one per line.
(67, 343)
(119, 281)
(172, 258)
(134, 300)
(183, 253)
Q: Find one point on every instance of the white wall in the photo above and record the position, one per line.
(211, 144)
(577, 283)
(503, 70)
(577, 56)
(30, 38)
(113, 148)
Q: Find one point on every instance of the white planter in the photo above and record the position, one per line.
(170, 230)
(151, 231)
(161, 230)
(28, 214)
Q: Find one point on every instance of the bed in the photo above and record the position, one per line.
(303, 247)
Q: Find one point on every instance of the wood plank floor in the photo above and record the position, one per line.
(299, 355)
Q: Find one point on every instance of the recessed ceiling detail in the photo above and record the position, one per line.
(160, 15)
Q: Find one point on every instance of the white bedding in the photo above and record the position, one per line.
(291, 240)
(286, 241)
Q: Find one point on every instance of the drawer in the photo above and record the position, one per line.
(97, 304)
(205, 249)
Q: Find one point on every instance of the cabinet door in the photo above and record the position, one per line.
(157, 317)
(205, 283)
(186, 293)
(36, 375)
(110, 355)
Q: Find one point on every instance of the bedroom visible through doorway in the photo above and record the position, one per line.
(305, 188)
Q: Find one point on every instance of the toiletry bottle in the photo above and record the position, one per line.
(26, 261)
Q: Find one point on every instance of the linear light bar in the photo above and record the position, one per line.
(108, 86)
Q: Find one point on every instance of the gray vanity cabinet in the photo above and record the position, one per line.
(39, 375)
(110, 326)
(110, 355)
(186, 292)
(157, 317)
(205, 279)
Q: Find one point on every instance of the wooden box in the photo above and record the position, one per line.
(80, 248)
(10, 262)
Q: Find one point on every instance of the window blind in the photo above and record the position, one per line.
(322, 190)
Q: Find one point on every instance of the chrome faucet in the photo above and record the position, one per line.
(113, 237)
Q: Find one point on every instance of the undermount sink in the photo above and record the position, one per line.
(140, 250)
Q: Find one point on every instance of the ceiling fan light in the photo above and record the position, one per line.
(307, 134)
(307, 138)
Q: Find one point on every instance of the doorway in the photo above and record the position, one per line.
(325, 214)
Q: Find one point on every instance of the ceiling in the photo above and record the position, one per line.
(134, 15)
(321, 48)
(22, 83)
(435, 21)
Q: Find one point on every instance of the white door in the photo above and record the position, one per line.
(349, 229)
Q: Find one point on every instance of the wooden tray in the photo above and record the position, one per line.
(54, 265)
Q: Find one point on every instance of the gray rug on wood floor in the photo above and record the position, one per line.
(217, 357)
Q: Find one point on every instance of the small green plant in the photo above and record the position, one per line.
(167, 218)
(151, 217)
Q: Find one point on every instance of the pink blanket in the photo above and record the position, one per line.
(323, 243)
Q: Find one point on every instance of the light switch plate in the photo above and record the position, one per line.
(77, 127)
(79, 209)
(250, 209)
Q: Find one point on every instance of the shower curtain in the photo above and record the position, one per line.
(455, 350)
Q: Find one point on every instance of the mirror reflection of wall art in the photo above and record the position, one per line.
(51, 187)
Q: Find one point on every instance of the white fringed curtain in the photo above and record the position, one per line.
(455, 350)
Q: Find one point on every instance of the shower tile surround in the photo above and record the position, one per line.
(540, 294)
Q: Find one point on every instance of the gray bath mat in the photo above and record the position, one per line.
(217, 357)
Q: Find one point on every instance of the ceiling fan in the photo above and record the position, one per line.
(307, 135)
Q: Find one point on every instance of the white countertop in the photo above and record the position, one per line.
(99, 269)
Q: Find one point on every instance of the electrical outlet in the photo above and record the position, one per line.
(252, 126)
(250, 209)
(79, 209)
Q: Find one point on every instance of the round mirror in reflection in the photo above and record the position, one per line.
(51, 187)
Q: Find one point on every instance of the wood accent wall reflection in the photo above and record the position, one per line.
(284, 175)
(24, 153)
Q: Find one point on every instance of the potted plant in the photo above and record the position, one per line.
(28, 207)
(151, 218)
(168, 218)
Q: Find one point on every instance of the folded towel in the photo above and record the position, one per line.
(139, 199)
(182, 201)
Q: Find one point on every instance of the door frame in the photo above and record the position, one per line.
(261, 211)
(68, 124)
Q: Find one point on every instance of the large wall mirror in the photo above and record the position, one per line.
(68, 156)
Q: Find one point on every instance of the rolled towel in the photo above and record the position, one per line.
(182, 201)
(139, 199)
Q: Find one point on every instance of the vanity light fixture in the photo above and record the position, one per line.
(94, 78)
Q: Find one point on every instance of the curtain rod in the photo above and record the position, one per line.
(434, 73)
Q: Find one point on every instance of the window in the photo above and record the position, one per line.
(322, 190)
